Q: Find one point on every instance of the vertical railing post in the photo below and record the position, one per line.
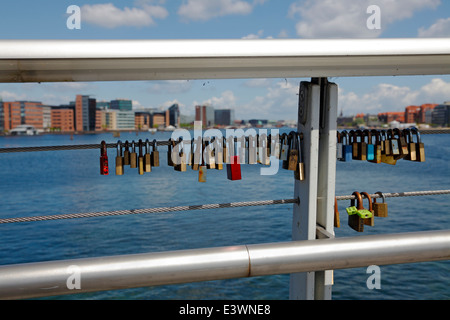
(317, 114)
(326, 187)
(304, 213)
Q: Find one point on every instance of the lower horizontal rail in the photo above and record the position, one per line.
(153, 269)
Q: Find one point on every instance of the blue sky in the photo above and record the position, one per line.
(232, 19)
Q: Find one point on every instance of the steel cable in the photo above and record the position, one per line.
(204, 207)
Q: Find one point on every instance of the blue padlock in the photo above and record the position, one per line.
(347, 148)
(370, 150)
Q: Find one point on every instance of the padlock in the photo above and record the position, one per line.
(337, 219)
(252, 150)
(140, 158)
(202, 168)
(354, 143)
(380, 209)
(347, 148)
(180, 164)
(339, 147)
(370, 221)
(119, 159)
(133, 155)
(420, 147)
(225, 151)
(234, 167)
(263, 152)
(104, 167)
(284, 147)
(126, 154)
(197, 154)
(293, 152)
(275, 146)
(155, 155)
(243, 151)
(171, 153)
(412, 155)
(355, 217)
(370, 147)
(362, 146)
(147, 157)
(218, 153)
(386, 156)
(385, 146)
(375, 134)
(402, 145)
(393, 143)
(299, 173)
(208, 154)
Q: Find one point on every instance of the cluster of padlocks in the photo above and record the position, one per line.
(210, 153)
(380, 146)
(359, 215)
(201, 154)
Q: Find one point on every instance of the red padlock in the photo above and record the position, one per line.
(234, 167)
(104, 168)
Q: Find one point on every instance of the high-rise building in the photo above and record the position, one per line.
(224, 117)
(412, 114)
(174, 115)
(425, 112)
(205, 114)
(441, 115)
(62, 119)
(121, 104)
(85, 112)
(118, 120)
(22, 112)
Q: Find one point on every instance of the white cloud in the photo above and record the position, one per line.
(109, 16)
(388, 97)
(203, 10)
(170, 86)
(280, 101)
(227, 100)
(440, 29)
(258, 35)
(348, 18)
(12, 96)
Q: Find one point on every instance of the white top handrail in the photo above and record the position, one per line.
(98, 60)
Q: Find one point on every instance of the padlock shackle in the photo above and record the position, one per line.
(119, 148)
(408, 135)
(140, 147)
(359, 204)
(155, 145)
(103, 149)
(369, 198)
(344, 135)
(147, 146)
(382, 197)
(416, 133)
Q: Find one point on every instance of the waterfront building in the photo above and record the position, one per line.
(205, 114)
(62, 119)
(121, 104)
(85, 113)
(224, 117)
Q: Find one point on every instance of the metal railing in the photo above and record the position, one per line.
(143, 270)
(116, 60)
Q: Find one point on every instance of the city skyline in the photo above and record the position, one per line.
(234, 19)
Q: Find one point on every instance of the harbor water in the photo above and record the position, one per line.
(59, 182)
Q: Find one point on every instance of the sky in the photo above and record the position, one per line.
(273, 99)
